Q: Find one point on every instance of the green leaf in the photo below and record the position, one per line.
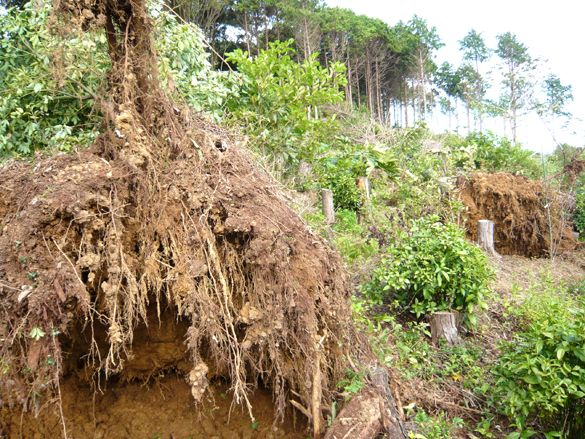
(36, 333)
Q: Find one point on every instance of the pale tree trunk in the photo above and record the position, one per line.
(328, 208)
(450, 114)
(349, 97)
(266, 27)
(485, 236)
(479, 97)
(405, 102)
(467, 109)
(423, 85)
(378, 94)
(444, 325)
(456, 114)
(247, 31)
(513, 106)
(369, 80)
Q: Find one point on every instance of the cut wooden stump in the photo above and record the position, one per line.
(328, 209)
(370, 413)
(485, 236)
(363, 185)
(444, 325)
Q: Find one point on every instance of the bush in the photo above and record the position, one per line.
(278, 98)
(433, 268)
(346, 194)
(542, 373)
(498, 154)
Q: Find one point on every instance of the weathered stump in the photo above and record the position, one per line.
(485, 236)
(444, 325)
(370, 413)
(363, 185)
(328, 209)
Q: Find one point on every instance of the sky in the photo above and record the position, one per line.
(552, 31)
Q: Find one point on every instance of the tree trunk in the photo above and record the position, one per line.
(363, 185)
(467, 108)
(349, 97)
(405, 103)
(328, 209)
(370, 413)
(423, 86)
(247, 32)
(444, 325)
(485, 235)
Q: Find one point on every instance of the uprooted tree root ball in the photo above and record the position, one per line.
(167, 213)
(518, 206)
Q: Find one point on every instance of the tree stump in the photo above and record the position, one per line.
(444, 325)
(370, 413)
(485, 236)
(328, 209)
(363, 184)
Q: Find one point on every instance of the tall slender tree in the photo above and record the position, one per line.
(517, 67)
(447, 79)
(557, 96)
(476, 52)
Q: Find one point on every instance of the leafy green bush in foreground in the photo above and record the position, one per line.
(541, 374)
(433, 268)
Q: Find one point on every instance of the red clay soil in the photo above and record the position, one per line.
(516, 204)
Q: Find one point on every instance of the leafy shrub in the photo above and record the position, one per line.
(432, 268)
(542, 372)
(498, 154)
(346, 194)
(341, 164)
(359, 159)
(37, 108)
(434, 427)
(277, 101)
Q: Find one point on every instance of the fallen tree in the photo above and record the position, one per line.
(165, 213)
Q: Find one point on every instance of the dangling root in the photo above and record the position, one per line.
(162, 215)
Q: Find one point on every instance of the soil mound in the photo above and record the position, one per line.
(164, 222)
(518, 207)
(88, 244)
